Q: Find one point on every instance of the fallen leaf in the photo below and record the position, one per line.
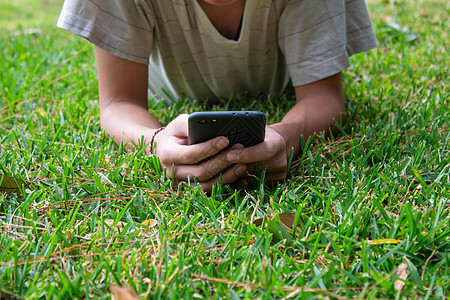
(287, 219)
(122, 293)
(33, 31)
(10, 184)
(120, 225)
(402, 274)
(384, 241)
(259, 222)
(146, 280)
(279, 231)
(41, 111)
(388, 213)
(150, 223)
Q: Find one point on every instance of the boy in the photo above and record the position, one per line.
(213, 49)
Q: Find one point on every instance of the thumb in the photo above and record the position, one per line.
(179, 125)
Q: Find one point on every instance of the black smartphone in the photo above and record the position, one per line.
(240, 127)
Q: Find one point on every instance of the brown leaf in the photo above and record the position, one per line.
(259, 222)
(287, 219)
(150, 223)
(122, 293)
(120, 225)
(402, 274)
(10, 184)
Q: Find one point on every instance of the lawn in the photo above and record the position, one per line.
(364, 214)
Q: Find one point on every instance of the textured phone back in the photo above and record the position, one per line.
(240, 127)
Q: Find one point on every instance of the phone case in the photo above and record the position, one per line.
(240, 127)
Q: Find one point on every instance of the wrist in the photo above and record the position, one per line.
(291, 136)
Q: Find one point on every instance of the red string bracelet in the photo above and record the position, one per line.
(152, 141)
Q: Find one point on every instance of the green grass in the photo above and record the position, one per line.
(16, 14)
(76, 228)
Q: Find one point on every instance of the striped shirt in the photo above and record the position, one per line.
(301, 41)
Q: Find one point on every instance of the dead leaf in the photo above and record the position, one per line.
(41, 111)
(259, 222)
(120, 225)
(282, 230)
(287, 219)
(32, 31)
(388, 213)
(384, 241)
(402, 274)
(122, 293)
(150, 223)
(10, 184)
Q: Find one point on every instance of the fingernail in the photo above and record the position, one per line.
(239, 171)
(221, 143)
(233, 156)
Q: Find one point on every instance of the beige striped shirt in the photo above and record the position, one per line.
(301, 41)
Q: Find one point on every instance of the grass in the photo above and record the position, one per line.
(372, 204)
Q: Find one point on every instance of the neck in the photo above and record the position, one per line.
(226, 18)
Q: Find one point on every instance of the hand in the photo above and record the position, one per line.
(270, 155)
(185, 162)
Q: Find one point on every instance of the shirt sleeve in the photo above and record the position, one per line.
(123, 28)
(317, 37)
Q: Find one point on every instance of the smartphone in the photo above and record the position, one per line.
(240, 127)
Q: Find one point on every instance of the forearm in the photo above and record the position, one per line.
(123, 98)
(127, 122)
(317, 109)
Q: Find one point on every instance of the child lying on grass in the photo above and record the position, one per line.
(214, 49)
